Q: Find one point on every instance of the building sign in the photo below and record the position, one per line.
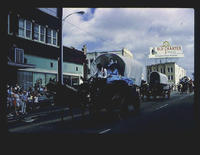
(166, 51)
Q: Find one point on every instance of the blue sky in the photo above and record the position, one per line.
(137, 29)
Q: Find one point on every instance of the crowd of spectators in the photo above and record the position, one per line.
(20, 101)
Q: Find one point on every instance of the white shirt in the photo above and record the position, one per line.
(102, 73)
(36, 99)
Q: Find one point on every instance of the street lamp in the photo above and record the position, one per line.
(79, 12)
(60, 60)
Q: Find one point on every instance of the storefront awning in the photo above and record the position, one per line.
(17, 65)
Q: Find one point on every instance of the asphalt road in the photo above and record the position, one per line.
(174, 115)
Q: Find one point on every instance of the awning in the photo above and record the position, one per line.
(17, 65)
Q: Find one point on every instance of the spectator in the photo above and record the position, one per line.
(36, 101)
(15, 97)
(9, 104)
(30, 102)
(23, 102)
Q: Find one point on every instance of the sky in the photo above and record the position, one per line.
(136, 29)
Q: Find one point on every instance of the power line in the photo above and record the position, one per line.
(85, 31)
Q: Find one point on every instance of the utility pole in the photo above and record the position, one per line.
(60, 59)
(197, 71)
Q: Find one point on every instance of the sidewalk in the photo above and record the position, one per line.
(36, 113)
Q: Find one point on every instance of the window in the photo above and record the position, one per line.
(161, 70)
(75, 81)
(36, 32)
(49, 36)
(28, 29)
(171, 77)
(19, 55)
(76, 68)
(42, 33)
(21, 27)
(168, 77)
(171, 69)
(168, 69)
(8, 24)
(25, 28)
(51, 64)
(39, 33)
(54, 37)
(25, 79)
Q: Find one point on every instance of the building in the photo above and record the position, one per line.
(170, 69)
(90, 57)
(33, 36)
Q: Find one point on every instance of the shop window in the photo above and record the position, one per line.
(25, 79)
(75, 81)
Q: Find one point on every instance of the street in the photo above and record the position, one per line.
(174, 115)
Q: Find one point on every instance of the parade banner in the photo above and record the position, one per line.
(166, 51)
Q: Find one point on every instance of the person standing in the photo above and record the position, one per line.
(29, 102)
(36, 101)
(23, 102)
(16, 102)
